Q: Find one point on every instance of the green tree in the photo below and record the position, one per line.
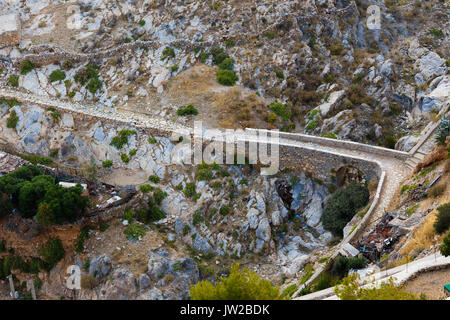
(445, 246)
(342, 206)
(52, 251)
(443, 132)
(239, 285)
(32, 193)
(442, 223)
(45, 215)
(350, 289)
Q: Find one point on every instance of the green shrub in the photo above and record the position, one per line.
(121, 138)
(325, 281)
(141, 23)
(343, 264)
(132, 153)
(226, 77)
(410, 211)
(198, 218)
(442, 132)
(107, 164)
(151, 140)
(9, 102)
(289, 291)
(154, 179)
(204, 174)
(337, 49)
(12, 120)
(89, 77)
(239, 285)
(281, 110)
(189, 190)
(13, 81)
(342, 206)
(442, 223)
(444, 248)
(57, 75)
(279, 74)
(218, 55)
(52, 251)
(311, 125)
(83, 236)
(389, 142)
(145, 188)
(174, 68)
(159, 196)
(188, 110)
(437, 33)
(227, 64)
(26, 66)
(93, 85)
(168, 53)
(135, 231)
(186, 230)
(125, 158)
(128, 215)
(224, 210)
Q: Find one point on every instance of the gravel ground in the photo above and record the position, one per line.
(431, 283)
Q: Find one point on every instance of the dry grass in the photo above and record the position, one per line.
(438, 154)
(239, 109)
(422, 238)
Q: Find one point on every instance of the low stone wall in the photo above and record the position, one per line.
(345, 144)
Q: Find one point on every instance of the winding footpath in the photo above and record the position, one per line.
(395, 165)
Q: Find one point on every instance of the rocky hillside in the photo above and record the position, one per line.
(335, 77)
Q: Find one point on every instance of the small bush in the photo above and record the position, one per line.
(188, 110)
(311, 125)
(337, 49)
(442, 223)
(168, 53)
(52, 251)
(125, 158)
(224, 210)
(154, 179)
(159, 196)
(13, 81)
(444, 248)
(437, 33)
(26, 66)
(145, 188)
(204, 174)
(135, 231)
(151, 140)
(281, 110)
(12, 120)
(107, 164)
(186, 230)
(57, 75)
(189, 190)
(122, 138)
(198, 218)
(128, 215)
(227, 64)
(226, 77)
(325, 281)
(142, 23)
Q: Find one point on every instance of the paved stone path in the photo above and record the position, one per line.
(399, 274)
